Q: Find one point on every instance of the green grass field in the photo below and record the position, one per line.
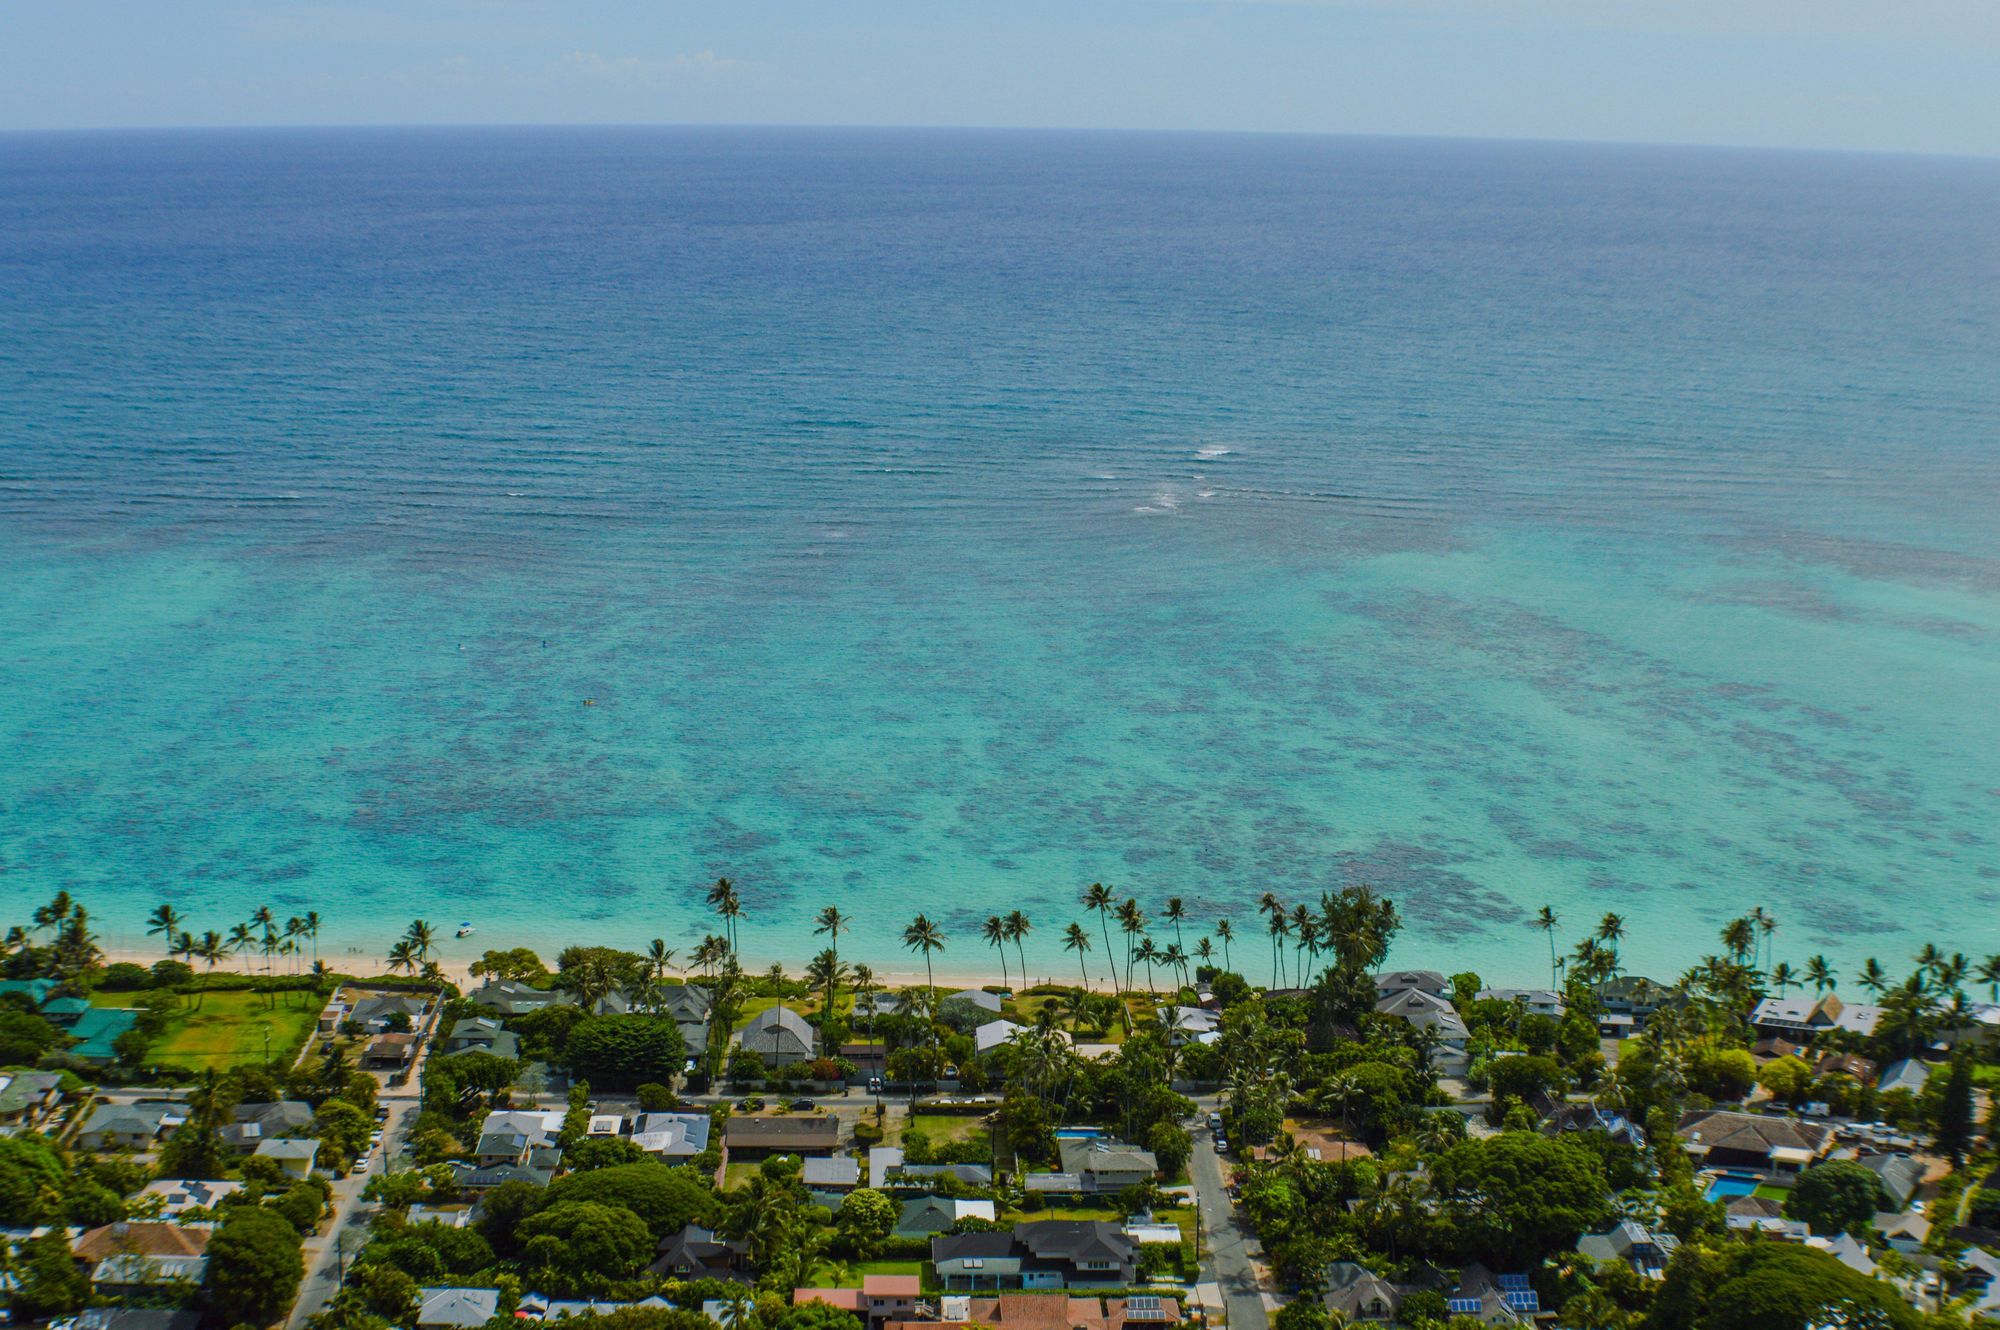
(230, 1029)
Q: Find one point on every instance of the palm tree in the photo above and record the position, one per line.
(421, 939)
(1273, 909)
(240, 937)
(994, 931)
(1782, 977)
(864, 993)
(1175, 912)
(1280, 927)
(925, 936)
(1873, 977)
(1204, 950)
(1988, 973)
(1819, 973)
(1150, 954)
(1132, 922)
(1018, 928)
(1739, 935)
(402, 956)
(1766, 926)
(825, 973)
(830, 924)
(1226, 931)
(659, 957)
(166, 923)
(722, 898)
(1610, 930)
(1547, 921)
(1097, 897)
(312, 932)
(1077, 940)
(210, 947)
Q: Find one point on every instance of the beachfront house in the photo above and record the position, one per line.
(1428, 1011)
(780, 1036)
(1804, 1017)
(993, 1034)
(1535, 1001)
(511, 997)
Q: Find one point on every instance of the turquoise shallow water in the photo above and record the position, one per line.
(945, 521)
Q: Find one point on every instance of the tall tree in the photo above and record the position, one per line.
(1018, 929)
(1225, 932)
(1819, 973)
(925, 936)
(728, 905)
(1077, 940)
(165, 924)
(994, 931)
(1098, 897)
(1547, 920)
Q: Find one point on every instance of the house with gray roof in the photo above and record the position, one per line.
(28, 1096)
(456, 1308)
(1051, 1253)
(780, 1036)
(511, 997)
(1903, 1074)
(673, 1137)
(129, 1126)
(836, 1173)
(1644, 1250)
(1103, 1165)
(1427, 1011)
(927, 1216)
(696, 1253)
(1901, 1176)
(482, 1034)
(1354, 1293)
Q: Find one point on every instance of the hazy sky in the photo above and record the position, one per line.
(1895, 74)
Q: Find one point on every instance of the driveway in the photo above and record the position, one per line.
(1230, 1249)
(341, 1237)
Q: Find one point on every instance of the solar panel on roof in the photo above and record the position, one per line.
(1457, 1305)
(1511, 1282)
(1523, 1300)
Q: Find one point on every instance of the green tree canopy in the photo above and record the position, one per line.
(32, 1179)
(1836, 1197)
(667, 1199)
(254, 1266)
(585, 1242)
(620, 1052)
(1517, 1197)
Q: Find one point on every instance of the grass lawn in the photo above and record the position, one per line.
(940, 1128)
(230, 1030)
(1770, 1193)
(738, 1174)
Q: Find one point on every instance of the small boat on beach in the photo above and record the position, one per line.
(465, 929)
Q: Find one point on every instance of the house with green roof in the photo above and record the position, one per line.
(96, 1032)
(35, 990)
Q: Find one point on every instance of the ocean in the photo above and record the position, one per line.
(525, 527)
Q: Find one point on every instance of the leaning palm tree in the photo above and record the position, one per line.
(1097, 897)
(1077, 940)
(241, 938)
(1018, 928)
(1988, 973)
(1547, 920)
(421, 938)
(403, 956)
(165, 923)
(994, 932)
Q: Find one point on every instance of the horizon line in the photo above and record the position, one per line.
(27, 131)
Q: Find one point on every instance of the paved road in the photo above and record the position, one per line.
(344, 1234)
(1229, 1247)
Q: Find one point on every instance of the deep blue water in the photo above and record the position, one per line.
(947, 520)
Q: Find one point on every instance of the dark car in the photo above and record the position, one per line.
(802, 1105)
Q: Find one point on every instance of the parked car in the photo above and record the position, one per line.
(802, 1105)
(874, 1085)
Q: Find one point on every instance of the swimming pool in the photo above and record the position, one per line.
(1729, 1186)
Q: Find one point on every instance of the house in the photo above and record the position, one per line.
(1191, 1025)
(380, 1013)
(26, 1097)
(1904, 1232)
(1805, 1017)
(794, 1134)
(1901, 1176)
(1722, 1139)
(1356, 1293)
(696, 1253)
(177, 1196)
(671, 1137)
(1628, 1001)
(137, 1318)
(780, 1036)
(96, 1031)
(977, 997)
(482, 1034)
(1043, 1311)
(391, 1052)
(36, 991)
(1493, 1299)
(1847, 1064)
(1428, 982)
(991, 1035)
(447, 1216)
(457, 1308)
(881, 1299)
(1427, 1011)
(1052, 1253)
(129, 1258)
(926, 1216)
(295, 1157)
(1536, 1001)
(1645, 1250)
(485, 1177)
(1562, 1118)
(687, 1005)
(1903, 1074)
(128, 1126)
(256, 1123)
(1761, 1214)
(1102, 1165)
(832, 1173)
(511, 1137)
(511, 997)
(888, 1172)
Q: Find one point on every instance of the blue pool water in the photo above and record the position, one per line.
(529, 526)
(1728, 1187)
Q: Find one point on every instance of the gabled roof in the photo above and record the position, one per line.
(1098, 1155)
(834, 1171)
(281, 1115)
(811, 1130)
(781, 1024)
(979, 1246)
(463, 1307)
(1076, 1240)
(1901, 1176)
(1422, 981)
